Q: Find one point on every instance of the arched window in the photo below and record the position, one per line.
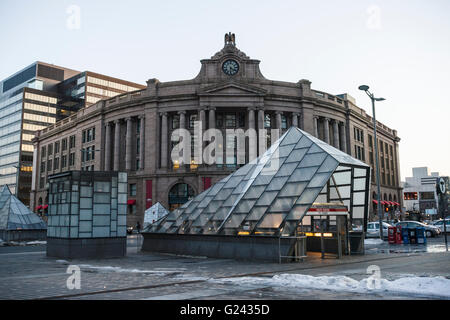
(179, 194)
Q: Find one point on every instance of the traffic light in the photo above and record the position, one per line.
(386, 209)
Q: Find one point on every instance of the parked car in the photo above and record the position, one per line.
(440, 225)
(130, 230)
(373, 230)
(430, 231)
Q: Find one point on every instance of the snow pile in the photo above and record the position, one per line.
(438, 287)
(373, 241)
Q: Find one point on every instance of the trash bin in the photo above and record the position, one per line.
(391, 234)
(398, 235)
(420, 235)
(356, 242)
(412, 235)
(405, 235)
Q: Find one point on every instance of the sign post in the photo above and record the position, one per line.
(441, 189)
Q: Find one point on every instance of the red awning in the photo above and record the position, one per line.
(396, 203)
(383, 202)
(131, 202)
(375, 201)
(45, 206)
(39, 207)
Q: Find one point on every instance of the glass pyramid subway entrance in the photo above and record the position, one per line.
(271, 194)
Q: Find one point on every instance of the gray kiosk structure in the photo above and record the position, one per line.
(265, 210)
(87, 214)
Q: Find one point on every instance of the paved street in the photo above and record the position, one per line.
(26, 273)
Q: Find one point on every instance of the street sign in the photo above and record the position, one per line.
(442, 186)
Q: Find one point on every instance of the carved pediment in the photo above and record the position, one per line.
(232, 89)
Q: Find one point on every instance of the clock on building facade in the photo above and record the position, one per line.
(230, 67)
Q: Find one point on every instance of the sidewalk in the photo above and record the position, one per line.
(29, 274)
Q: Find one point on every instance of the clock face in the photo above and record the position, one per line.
(230, 67)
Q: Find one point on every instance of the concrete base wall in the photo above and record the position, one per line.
(261, 248)
(86, 248)
(23, 235)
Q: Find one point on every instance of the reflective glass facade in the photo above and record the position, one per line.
(272, 194)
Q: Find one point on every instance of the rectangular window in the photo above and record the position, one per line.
(56, 164)
(267, 121)
(43, 149)
(138, 145)
(230, 121)
(72, 142)
(283, 122)
(241, 120)
(57, 147)
(64, 161)
(175, 122)
(192, 120)
(133, 190)
(410, 196)
(219, 121)
(50, 149)
(42, 166)
(426, 195)
(49, 165)
(64, 144)
(72, 159)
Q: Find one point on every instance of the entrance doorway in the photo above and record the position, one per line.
(179, 194)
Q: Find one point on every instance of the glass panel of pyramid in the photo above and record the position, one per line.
(275, 191)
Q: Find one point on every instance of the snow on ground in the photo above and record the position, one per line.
(160, 271)
(373, 241)
(35, 242)
(433, 287)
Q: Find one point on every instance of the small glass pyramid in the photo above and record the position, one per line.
(14, 215)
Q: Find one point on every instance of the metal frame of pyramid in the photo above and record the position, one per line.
(271, 194)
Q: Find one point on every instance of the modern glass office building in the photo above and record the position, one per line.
(29, 101)
(37, 97)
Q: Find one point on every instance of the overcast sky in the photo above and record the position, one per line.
(401, 49)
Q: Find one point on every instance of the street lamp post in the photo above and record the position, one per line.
(365, 88)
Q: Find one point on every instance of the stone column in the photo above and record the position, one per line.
(278, 119)
(164, 142)
(326, 125)
(116, 145)
(212, 118)
(335, 134)
(202, 117)
(316, 126)
(252, 139)
(182, 119)
(108, 147)
(295, 119)
(128, 141)
(343, 138)
(251, 118)
(141, 142)
(262, 141)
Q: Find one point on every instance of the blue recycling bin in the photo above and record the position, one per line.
(420, 235)
(412, 235)
(405, 235)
